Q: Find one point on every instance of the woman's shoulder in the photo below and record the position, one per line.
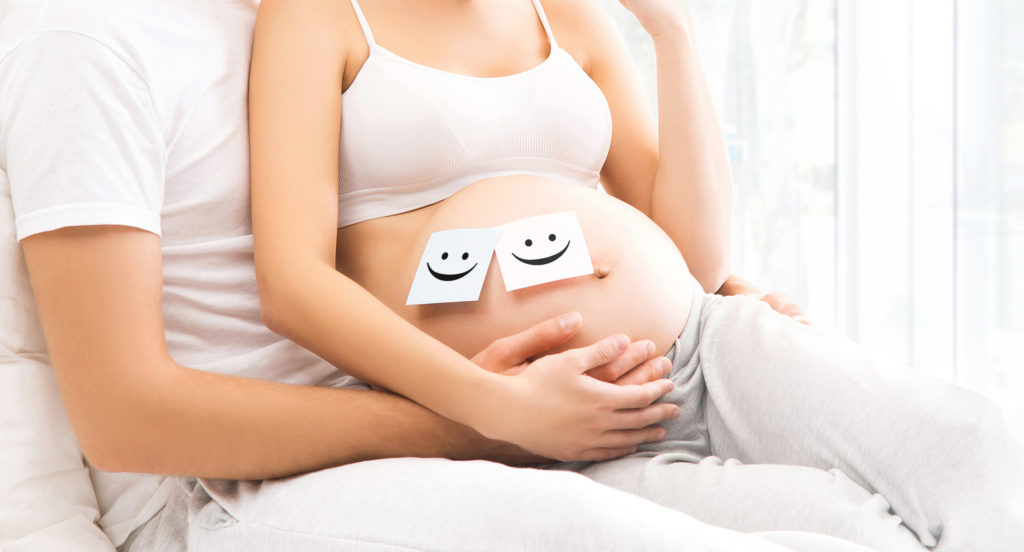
(584, 28)
(327, 20)
(326, 28)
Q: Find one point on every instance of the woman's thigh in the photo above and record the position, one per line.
(433, 504)
(949, 461)
(760, 497)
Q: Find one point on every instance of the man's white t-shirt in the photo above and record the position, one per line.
(133, 113)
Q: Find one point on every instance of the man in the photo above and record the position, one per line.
(123, 137)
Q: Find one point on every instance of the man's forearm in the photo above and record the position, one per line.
(210, 425)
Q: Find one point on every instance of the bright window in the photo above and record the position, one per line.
(878, 160)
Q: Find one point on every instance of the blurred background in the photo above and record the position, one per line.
(877, 149)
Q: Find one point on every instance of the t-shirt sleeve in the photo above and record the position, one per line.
(80, 140)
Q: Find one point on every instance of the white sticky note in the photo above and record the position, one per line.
(542, 249)
(453, 266)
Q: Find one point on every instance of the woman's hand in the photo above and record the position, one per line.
(660, 16)
(554, 409)
(511, 355)
(780, 302)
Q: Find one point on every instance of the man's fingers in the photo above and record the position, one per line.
(629, 437)
(643, 417)
(539, 339)
(628, 397)
(653, 369)
(600, 353)
(635, 355)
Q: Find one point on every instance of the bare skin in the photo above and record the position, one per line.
(134, 409)
(306, 54)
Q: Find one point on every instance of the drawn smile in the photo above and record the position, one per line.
(449, 277)
(544, 260)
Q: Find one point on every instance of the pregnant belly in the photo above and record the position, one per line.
(641, 286)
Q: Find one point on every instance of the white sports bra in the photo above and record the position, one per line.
(412, 135)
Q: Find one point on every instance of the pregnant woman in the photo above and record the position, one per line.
(375, 125)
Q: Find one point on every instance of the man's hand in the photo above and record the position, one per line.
(510, 355)
(780, 302)
(631, 366)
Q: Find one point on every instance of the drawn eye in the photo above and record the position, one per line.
(444, 255)
(551, 237)
(465, 256)
(529, 243)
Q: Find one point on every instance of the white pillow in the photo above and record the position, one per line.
(46, 497)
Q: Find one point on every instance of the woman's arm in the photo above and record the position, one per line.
(133, 408)
(678, 172)
(295, 114)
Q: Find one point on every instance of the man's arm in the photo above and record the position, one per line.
(134, 409)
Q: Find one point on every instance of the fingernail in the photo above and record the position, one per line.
(666, 367)
(621, 342)
(649, 348)
(569, 321)
(676, 415)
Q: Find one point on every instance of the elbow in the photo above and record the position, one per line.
(270, 313)
(712, 281)
(274, 309)
(106, 459)
(130, 427)
(270, 293)
(712, 274)
(285, 297)
(282, 291)
(107, 447)
(127, 453)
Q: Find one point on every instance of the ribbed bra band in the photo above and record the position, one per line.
(371, 42)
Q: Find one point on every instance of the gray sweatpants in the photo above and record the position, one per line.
(824, 431)
(758, 388)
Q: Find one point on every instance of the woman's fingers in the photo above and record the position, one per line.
(636, 354)
(570, 412)
(513, 350)
(778, 301)
(628, 397)
(781, 303)
(598, 354)
(644, 417)
(653, 369)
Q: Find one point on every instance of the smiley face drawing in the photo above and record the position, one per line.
(542, 249)
(543, 260)
(450, 277)
(453, 266)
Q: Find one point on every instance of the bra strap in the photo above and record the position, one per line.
(366, 26)
(543, 21)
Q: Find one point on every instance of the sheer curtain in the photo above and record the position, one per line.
(878, 160)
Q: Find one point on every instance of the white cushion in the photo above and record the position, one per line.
(46, 497)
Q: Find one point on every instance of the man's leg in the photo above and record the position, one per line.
(949, 461)
(434, 504)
